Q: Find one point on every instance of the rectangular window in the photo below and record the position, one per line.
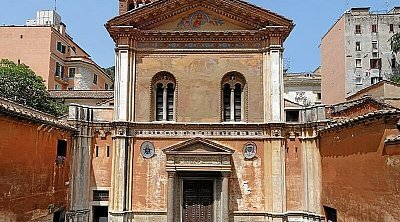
(62, 148)
(375, 80)
(393, 63)
(358, 63)
(358, 46)
(57, 87)
(374, 28)
(70, 88)
(95, 79)
(96, 151)
(319, 96)
(375, 63)
(374, 45)
(71, 72)
(374, 55)
(59, 70)
(108, 151)
(60, 47)
(359, 80)
(292, 116)
(358, 29)
(100, 195)
(105, 86)
(391, 28)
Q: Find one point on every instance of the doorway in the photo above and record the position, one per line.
(198, 201)
(100, 213)
(330, 214)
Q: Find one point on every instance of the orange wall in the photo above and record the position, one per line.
(358, 179)
(150, 177)
(30, 181)
(333, 64)
(33, 49)
(294, 175)
(101, 165)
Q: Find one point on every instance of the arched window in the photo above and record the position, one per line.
(233, 97)
(164, 86)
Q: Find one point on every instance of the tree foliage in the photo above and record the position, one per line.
(395, 46)
(110, 71)
(395, 42)
(20, 84)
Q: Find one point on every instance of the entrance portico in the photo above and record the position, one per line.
(198, 181)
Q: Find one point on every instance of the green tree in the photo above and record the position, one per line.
(395, 46)
(20, 84)
(110, 71)
(395, 43)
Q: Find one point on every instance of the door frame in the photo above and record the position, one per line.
(181, 181)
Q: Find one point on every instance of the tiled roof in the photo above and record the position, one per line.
(16, 110)
(336, 108)
(350, 122)
(82, 94)
(393, 139)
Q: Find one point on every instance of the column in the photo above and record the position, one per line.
(80, 167)
(171, 194)
(276, 83)
(225, 197)
(165, 110)
(232, 103)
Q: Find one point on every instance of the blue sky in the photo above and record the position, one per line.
(85, 21)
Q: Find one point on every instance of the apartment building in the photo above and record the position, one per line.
(44, 45)
(356, 52)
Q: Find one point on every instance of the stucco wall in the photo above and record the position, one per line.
(31, 184)
(358, 179)
(199, 84)
(150, 182)
(333, 64)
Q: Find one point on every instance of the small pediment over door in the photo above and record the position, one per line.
(200, 155)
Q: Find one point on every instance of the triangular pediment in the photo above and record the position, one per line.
(193, 15)
(199, 19)
(198, 146)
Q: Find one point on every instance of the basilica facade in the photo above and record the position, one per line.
(197, 131)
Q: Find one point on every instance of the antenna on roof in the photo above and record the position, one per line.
(387, 5)
(347, 4)
(55, 5)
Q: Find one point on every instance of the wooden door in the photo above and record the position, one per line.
(198, 198)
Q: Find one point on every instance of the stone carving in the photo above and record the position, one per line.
(199, 133)
(147, 149)
(198, 160)
(249, 150)
(198, 19)
(276, 132)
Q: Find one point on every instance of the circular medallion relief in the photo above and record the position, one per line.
(249, 150)
(147, 149)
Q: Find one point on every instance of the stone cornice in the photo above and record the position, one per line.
(139, 35)
(238, 10)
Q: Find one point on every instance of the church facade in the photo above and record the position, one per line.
(198, 130)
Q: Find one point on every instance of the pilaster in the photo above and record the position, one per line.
(225, 197)
(125, 78)
(121, 179)
(80, 176)
(171, 196)
(275, 66)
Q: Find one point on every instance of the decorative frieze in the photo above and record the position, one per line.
(199, 45)
(246, 134)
